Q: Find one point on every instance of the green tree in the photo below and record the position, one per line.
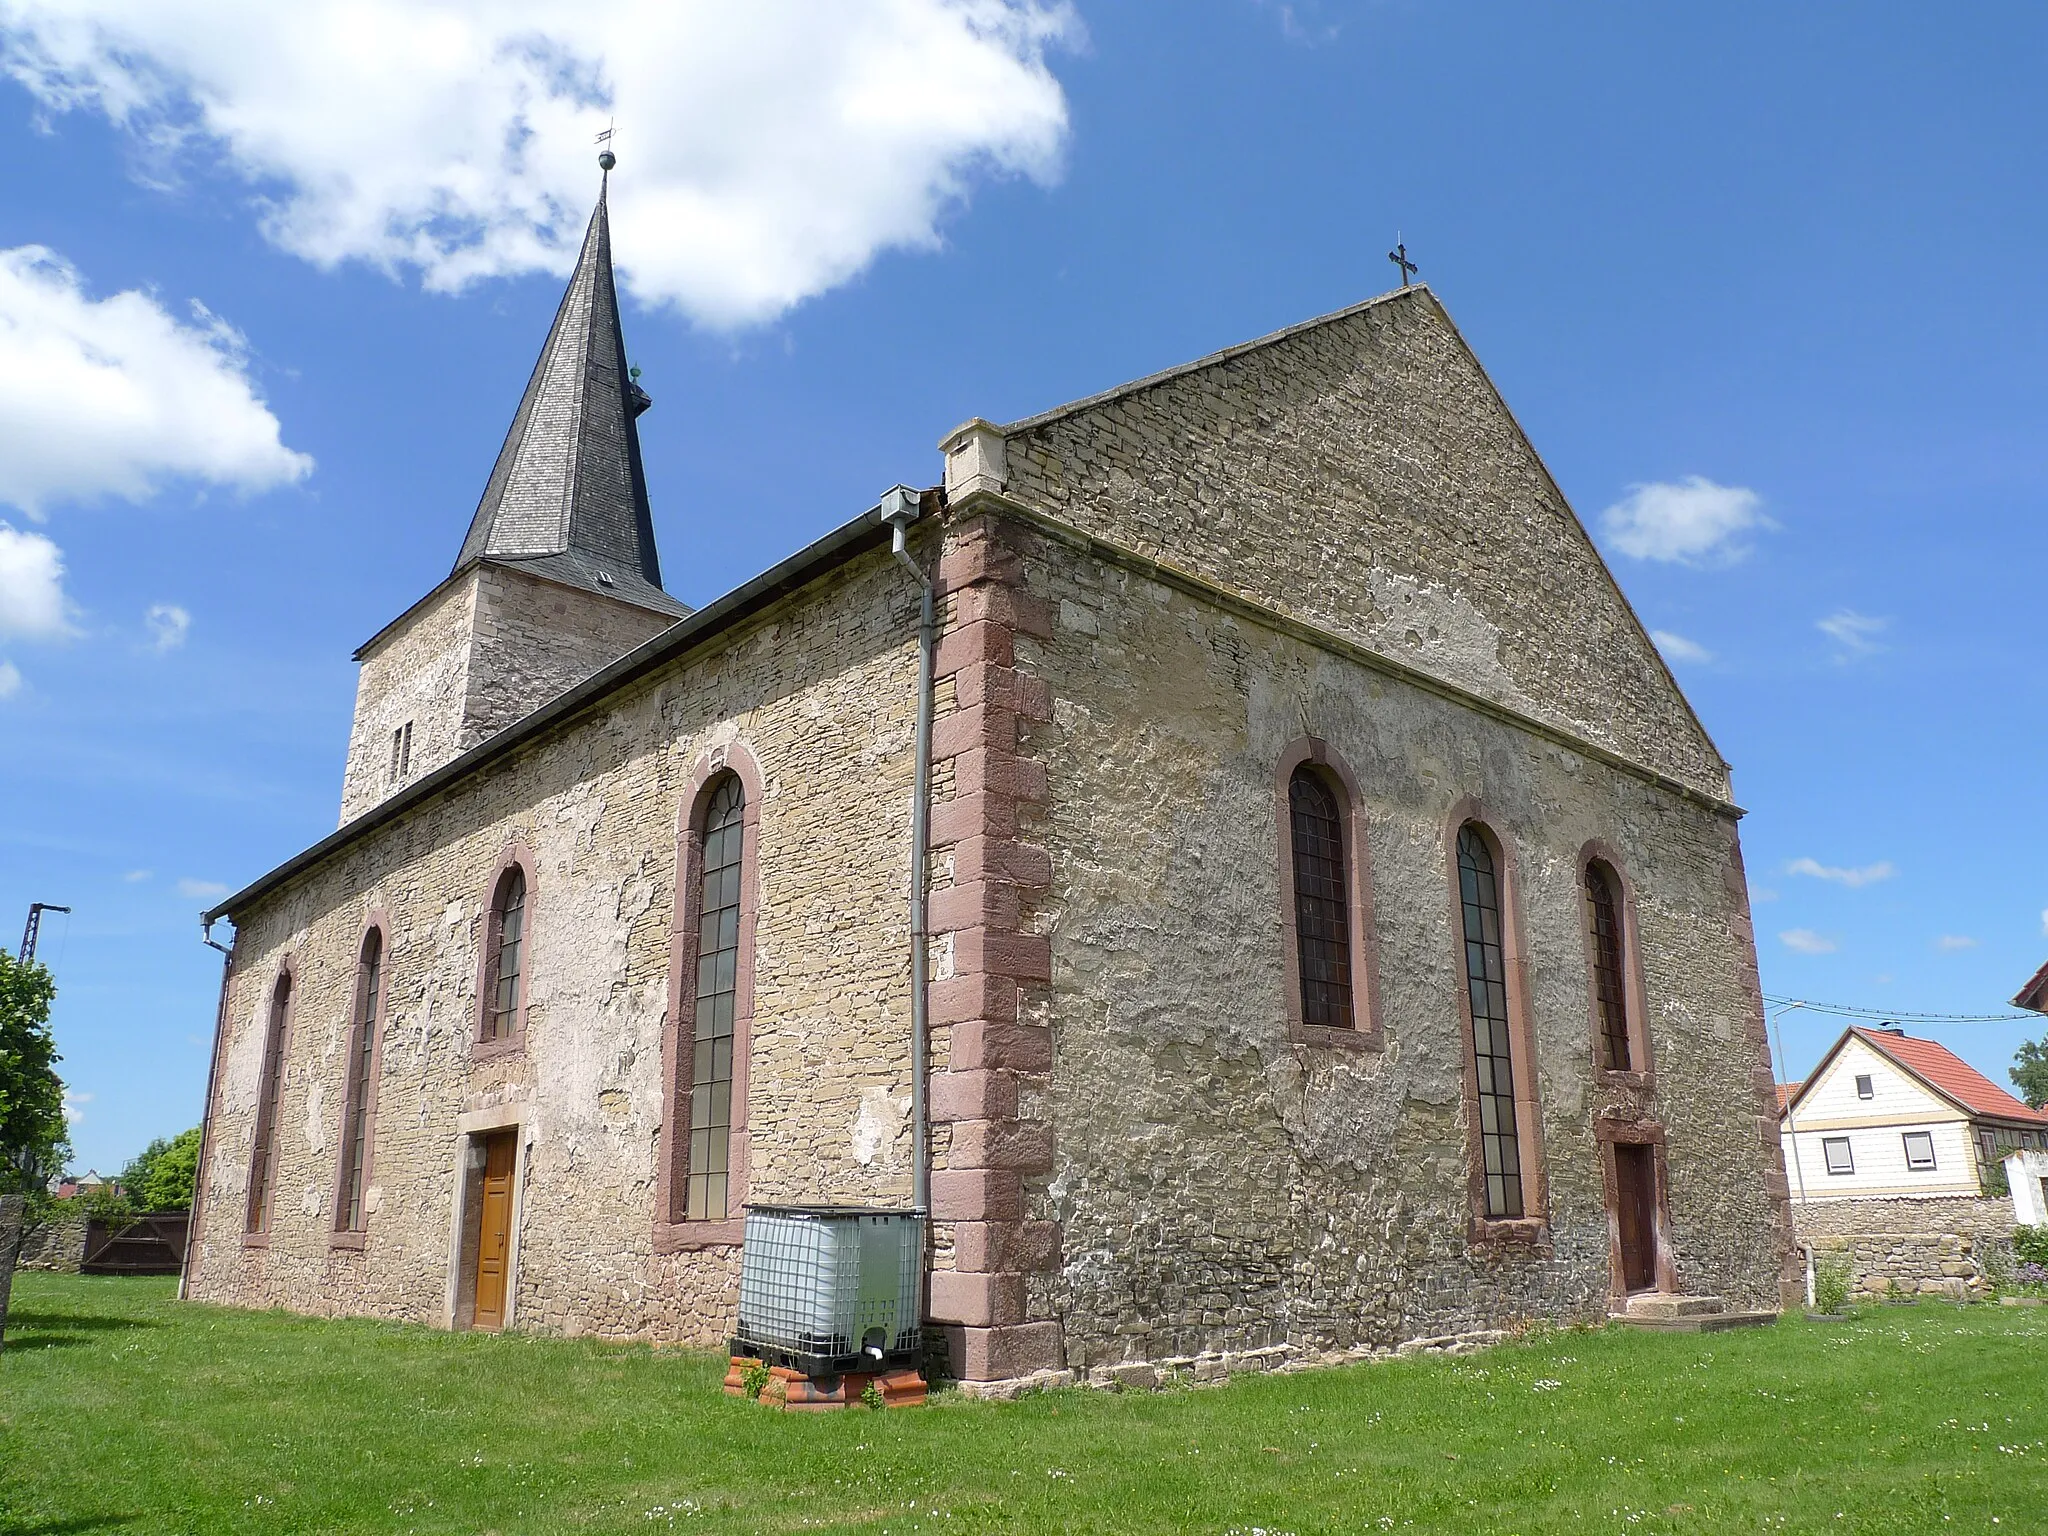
(33, 1143)
(160, 1177)
(2029, 1071)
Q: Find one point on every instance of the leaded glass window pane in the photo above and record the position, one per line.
(1608, 996)
(507, 978)
(263, 1165)
(356, 1124)
(1322, 915)
(1492, 1054)
(718, 948)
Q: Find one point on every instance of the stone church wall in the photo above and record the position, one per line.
(536, 639)
(821, 690)
(1361, 473)
(419, 673)
(1218, 1186)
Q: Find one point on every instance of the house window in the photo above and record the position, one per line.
(263, 1159)
(718, 953)
(401, 752)
(1322, 901)
(1865, 1089)
(1492, 1054)
(1836, 1150)
(1609, 996)
(1920, 1149)
(505, 980)
(361, 1090)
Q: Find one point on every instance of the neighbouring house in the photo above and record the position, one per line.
(1336, 916)
(1886, 1115)
(88, 1183)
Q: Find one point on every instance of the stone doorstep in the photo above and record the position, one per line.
(792, 1391)
(1664, 1307)
(1699, 1322)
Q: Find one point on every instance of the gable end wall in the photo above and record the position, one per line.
(1362, 474)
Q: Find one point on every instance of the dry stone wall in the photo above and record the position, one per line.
(821, 691)
(1907, 1265)
(1220, 1189)
(1360, 473)
(1840, 1218)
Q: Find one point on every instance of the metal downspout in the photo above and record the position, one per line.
(899, 509)
(220, 1022)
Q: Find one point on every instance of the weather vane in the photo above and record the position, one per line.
(1399, 257)
(605, 158)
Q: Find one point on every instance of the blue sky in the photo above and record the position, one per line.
(1761, 282)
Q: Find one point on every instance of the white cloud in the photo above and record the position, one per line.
(74, 1106)
(1955, 941)
(1855, 879)
(1678, 648)
(1694, 522)
(32, 603)
(1303, 22)
(114, 396)
(10, 679)
(768, 151)
(1762, 893)
(168, 625)
(135, 876)
(2044, 920)
(1856, 633)
(201, 890)
(1804, 941)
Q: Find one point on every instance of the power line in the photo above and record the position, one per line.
(1894, 1015)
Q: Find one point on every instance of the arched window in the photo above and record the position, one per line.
(361, 1091)
(1610, 995)
(723, 841)
(1492, 1050)
(263, 1158)
(1322, 901)
(506, 981)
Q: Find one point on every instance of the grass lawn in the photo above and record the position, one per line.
(121, 1410)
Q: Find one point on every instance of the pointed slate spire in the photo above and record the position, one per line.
(567, 498)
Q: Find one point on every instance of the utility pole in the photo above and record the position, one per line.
(36, 909)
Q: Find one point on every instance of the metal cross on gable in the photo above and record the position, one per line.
(1399, 257)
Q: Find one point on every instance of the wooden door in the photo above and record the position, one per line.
(1635, 1200)
(494, 1237)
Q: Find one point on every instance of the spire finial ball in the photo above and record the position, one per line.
(606, 160)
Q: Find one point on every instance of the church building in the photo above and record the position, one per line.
(1228, 850)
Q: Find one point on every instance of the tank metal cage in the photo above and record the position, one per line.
(827, 1289)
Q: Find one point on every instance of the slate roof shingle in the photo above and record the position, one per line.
(567, 498)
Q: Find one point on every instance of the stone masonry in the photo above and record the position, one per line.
(822, 693)
(488, 647)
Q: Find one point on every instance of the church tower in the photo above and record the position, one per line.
(558, 576)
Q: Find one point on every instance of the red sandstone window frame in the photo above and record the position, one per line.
(483, 1046)
(264, 1150)
(672, 1234)
(342, 1233)
(1641, 1071)
(1532, 1227)
(1365, 1031)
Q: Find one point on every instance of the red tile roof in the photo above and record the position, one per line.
(1952, 1075)
(1786, 1093)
